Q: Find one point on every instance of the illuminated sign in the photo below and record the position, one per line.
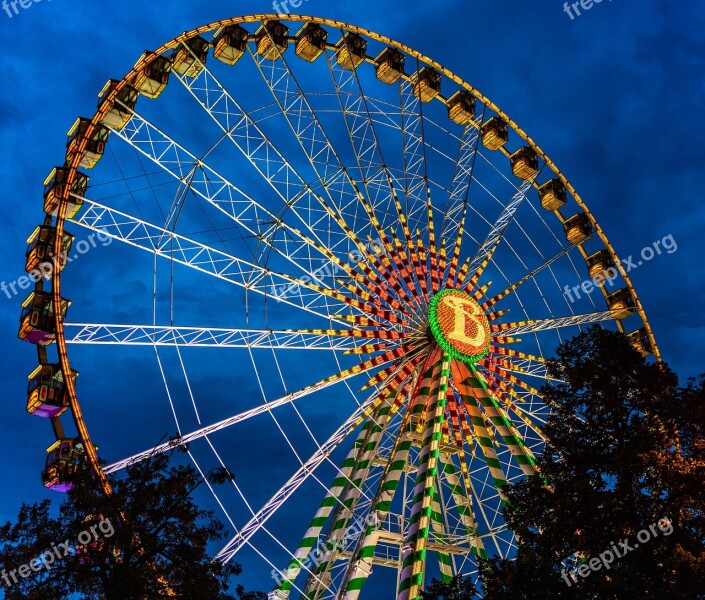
(459, 325)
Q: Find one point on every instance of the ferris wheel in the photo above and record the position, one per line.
(343, 263)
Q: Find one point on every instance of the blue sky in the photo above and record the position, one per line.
(613, 96)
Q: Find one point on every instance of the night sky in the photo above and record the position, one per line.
(614, 96)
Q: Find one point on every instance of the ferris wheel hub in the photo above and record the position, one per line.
(459, 325)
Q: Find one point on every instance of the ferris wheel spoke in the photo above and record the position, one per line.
(222, 194)
(492, 301)
(506, 380)
(300, 293)
(150, 335)
(267, 160)
(401, 270)
(529, 367)
(505, 384)
(480, 433)
(453, 226)
(323, 513)
(417, 188)
(305, 471)
(504, 393)
(413, 155)
(490, 510)
(253, 412)
(417, 192)
(405, 270)
(523, 367)
(409, 122)
(513, 360)
(376, 178)
(518, 362)
(334, 178)
(314, 141)
(525, 327)
(389, 401)
(485, 252)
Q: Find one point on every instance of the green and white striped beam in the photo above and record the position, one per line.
(414, 551)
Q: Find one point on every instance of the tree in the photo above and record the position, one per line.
(109, 548)
(459, 588)
(623, 461)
